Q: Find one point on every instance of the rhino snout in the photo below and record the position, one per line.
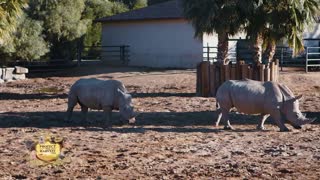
(297, 127)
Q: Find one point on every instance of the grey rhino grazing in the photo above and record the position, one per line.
(265, 98)
(105, 95)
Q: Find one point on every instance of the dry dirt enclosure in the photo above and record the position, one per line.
(173, 138)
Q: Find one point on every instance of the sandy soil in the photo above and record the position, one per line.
(173, 138)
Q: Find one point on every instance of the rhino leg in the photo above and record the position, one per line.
(225, 119)
(276, 115)
(108, 112)
(72, 102)
(84, 110)
(261, 122)
(219, 117)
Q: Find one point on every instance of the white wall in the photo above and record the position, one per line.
(313, 33)
(212, 41)
(161, 43)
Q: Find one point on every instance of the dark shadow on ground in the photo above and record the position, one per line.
(16, 96)
(141, 95)
(94, 68)
(178, 120)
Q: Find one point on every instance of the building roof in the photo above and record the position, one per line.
(167, 10)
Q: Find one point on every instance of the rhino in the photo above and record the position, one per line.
(264, 98)
(106, 95)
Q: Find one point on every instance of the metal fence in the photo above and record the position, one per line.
(312, 57)
(112, 54)
(283, 53)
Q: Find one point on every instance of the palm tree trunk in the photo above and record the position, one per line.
(257, 48)
(270, 51)
(223, 47)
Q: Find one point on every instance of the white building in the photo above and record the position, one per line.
(160, 36)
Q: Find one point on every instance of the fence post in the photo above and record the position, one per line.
(121, 54)
(79, 54)
(208, 53)
(281, 58)
(307, 58)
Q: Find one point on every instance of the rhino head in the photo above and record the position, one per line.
(293, 114)
(126, 109)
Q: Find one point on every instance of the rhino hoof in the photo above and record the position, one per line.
(228, 128)
(285, 130)
(297, 127)
(262, 128)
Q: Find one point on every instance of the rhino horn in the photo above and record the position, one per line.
(308, 121)
(298, 97)
(120, 91)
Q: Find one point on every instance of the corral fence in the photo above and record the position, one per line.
(117, 55)
(312, 57)
(210, 75)
(283, 53)
(45, 65)
(111, 55)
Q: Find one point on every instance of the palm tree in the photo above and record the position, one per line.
(220, 16)
(9, 11)
(272, 20)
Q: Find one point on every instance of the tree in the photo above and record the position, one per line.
(140, 4)
(9, 11)
(26, 43)
(63, 24)
(220, 16)
(269, 21)
(97, 9)
(28, 40)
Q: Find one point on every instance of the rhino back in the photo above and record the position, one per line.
(250, 97)
(95, 93)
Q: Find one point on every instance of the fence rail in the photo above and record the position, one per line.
(283, 53)
(117, 54)
(312, 57)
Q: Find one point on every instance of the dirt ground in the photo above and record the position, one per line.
(173, 138)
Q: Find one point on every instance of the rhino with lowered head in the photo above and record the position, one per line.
(265, 98)
(105, 95)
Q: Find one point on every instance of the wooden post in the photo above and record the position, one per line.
(217, 80)
(276, 70)
(199, 80)
(267, 74)
(238, 69)
(244, 71)
(272, 71)
(212, 80)
(222, 74)
(205, 78)
(233, 72)
(261, 72)
(250, 74)
(226, 72)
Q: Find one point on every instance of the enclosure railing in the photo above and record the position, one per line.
(282, 53)
(105, 53)
(312, 57)
(44, 65)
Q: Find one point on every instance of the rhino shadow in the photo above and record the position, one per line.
(17, 96)
(142, 95)
(178, 120)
